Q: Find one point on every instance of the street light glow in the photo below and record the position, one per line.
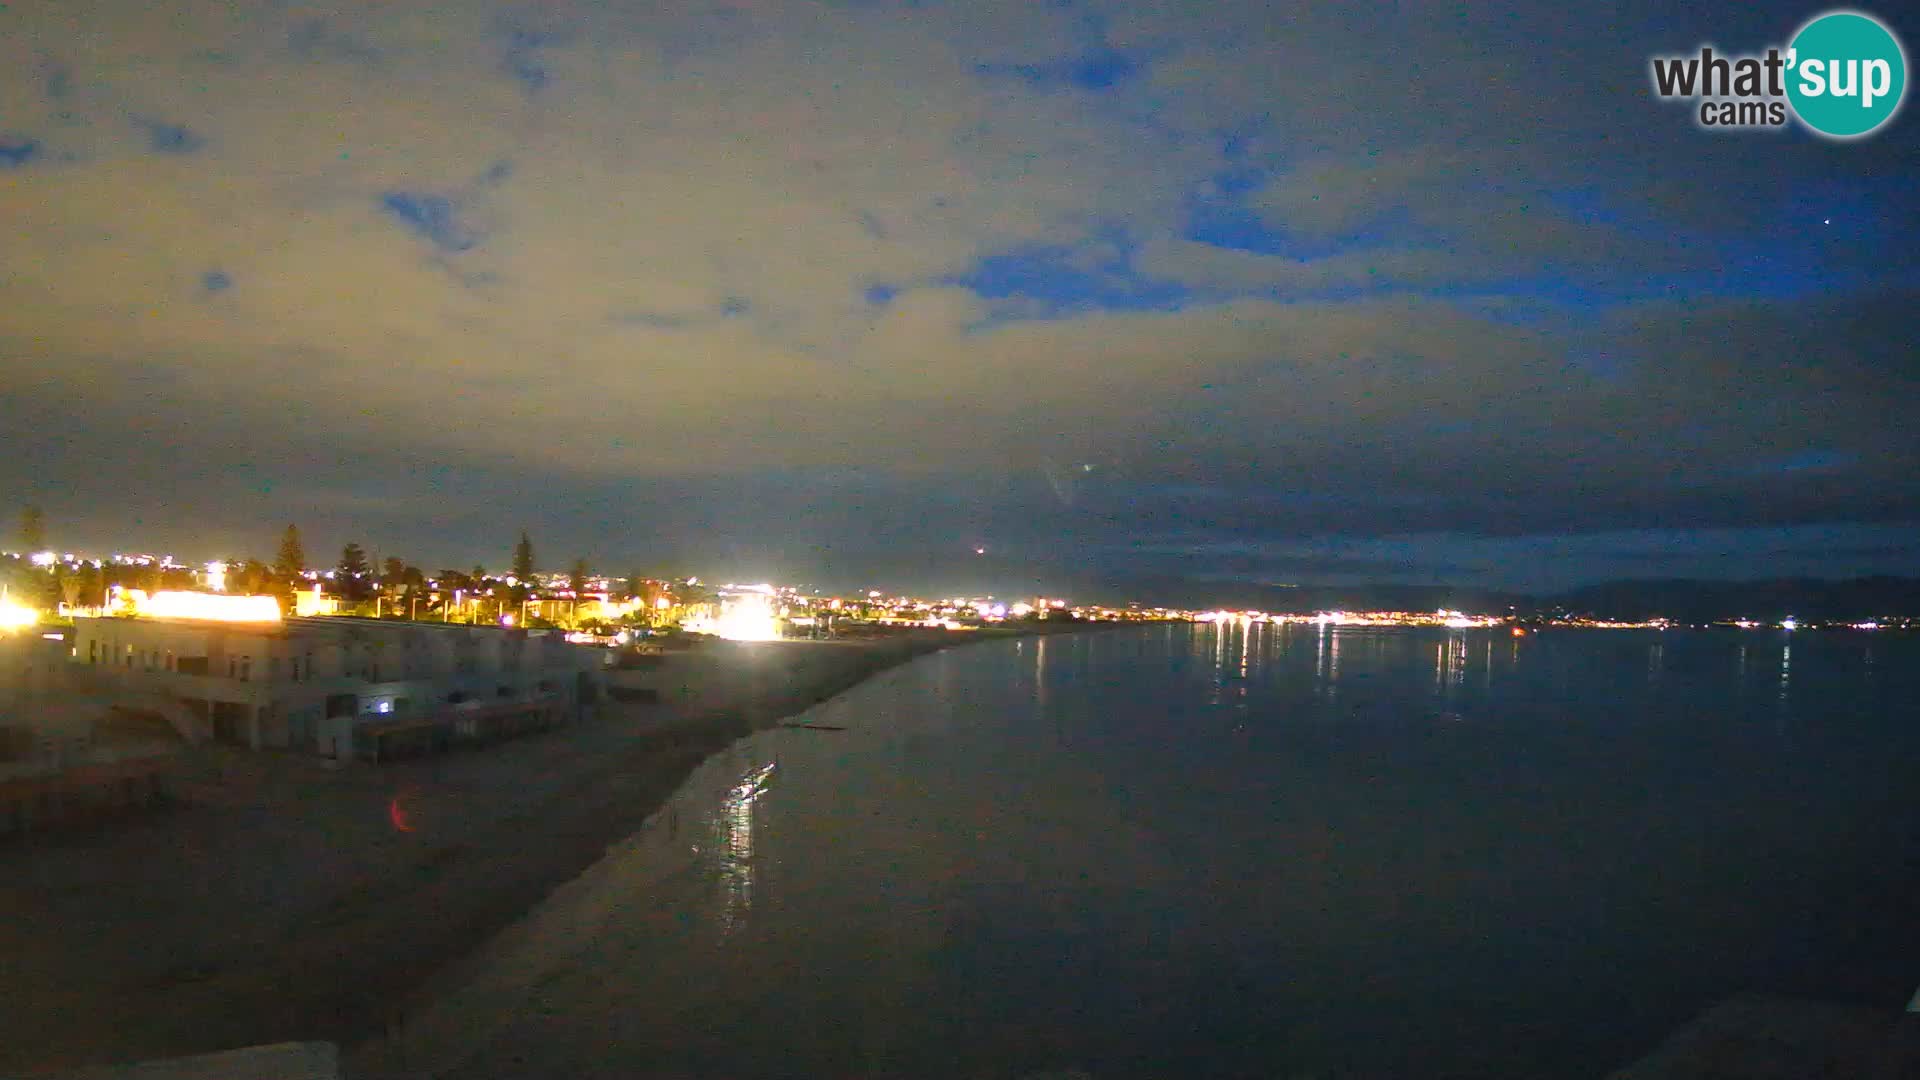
(209, 607)
(745, 618)
(15, 616)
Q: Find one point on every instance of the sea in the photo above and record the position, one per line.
(1249, 850)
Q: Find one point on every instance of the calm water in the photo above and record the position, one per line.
(1252, 852)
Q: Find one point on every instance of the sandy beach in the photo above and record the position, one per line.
(287, 900)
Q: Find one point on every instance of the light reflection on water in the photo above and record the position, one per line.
(1260, 854)
(733, 833)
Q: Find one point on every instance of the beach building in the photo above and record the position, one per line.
(66, 754)
(338, 687)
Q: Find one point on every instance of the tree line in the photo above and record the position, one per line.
(354, 579)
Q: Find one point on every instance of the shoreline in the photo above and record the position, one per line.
(291, 902)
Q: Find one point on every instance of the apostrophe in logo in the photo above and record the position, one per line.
(1843, 76)
(1848, 74)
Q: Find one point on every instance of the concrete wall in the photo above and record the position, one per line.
(32, 667)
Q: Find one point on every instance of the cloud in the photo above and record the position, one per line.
(316, 39)
(1273, 288)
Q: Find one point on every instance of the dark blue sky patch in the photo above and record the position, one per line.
(170, 138)
(1102, 69)
(522, 59)
(1238, 181)
(734, 306)
(1062, 279)
(880, 295)
(1810, 461)
(430, 216)
(1096, 70)
(16, 151)
(1586, 204)
(216, 281)
(1225, 221)
(57, 79)
(527, 69)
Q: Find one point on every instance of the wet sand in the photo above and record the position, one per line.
(285, 900)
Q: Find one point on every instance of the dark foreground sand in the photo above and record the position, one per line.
(289, 901)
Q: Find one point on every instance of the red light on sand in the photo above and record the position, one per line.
(398, 815)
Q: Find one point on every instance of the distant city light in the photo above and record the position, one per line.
(1790, 624)
(217, 576)
(45, 558)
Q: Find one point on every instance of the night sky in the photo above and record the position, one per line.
(837, 293)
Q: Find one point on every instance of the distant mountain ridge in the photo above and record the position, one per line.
(1691, 600)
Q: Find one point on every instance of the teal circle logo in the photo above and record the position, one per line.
(1846, 74)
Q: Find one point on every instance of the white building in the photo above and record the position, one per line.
(336, 686)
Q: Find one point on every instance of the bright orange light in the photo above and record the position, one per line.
(211, 607)
(15, 617)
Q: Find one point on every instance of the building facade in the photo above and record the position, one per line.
(65, 755)
(338, 687)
